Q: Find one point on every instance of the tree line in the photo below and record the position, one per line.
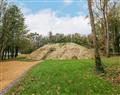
(12, 30)
(105, 21)
(37, 40)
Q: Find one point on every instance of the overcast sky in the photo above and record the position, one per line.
(58, 16)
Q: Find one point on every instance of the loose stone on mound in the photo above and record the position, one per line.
(62, 51)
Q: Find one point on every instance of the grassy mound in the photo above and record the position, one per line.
(61, 51)
(66, 77)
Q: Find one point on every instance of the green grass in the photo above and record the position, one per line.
(21, 58)
(65, 77)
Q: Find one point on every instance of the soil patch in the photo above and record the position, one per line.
(11, 70)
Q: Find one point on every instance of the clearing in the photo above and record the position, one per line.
(11, 70)
(69, 77)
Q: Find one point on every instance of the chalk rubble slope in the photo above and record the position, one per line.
(62, 51)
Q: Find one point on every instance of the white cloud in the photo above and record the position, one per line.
(68, 2)
(47, 20)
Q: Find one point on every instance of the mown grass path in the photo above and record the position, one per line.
(64, 77)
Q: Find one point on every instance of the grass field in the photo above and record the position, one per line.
(67, 77)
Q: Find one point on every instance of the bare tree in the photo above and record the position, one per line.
(105, 18)
(99, 67)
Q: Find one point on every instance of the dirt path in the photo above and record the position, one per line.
(11, 70)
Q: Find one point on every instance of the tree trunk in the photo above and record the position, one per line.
(16, 51)
(12, 52)
(107, 35)
(2, 56)
(103, 40)
(2, 50)
(8, 52)
(99, 67)
(117, 41)
(5, 53)
(1, 53)
(106, 32)
(113, 37)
